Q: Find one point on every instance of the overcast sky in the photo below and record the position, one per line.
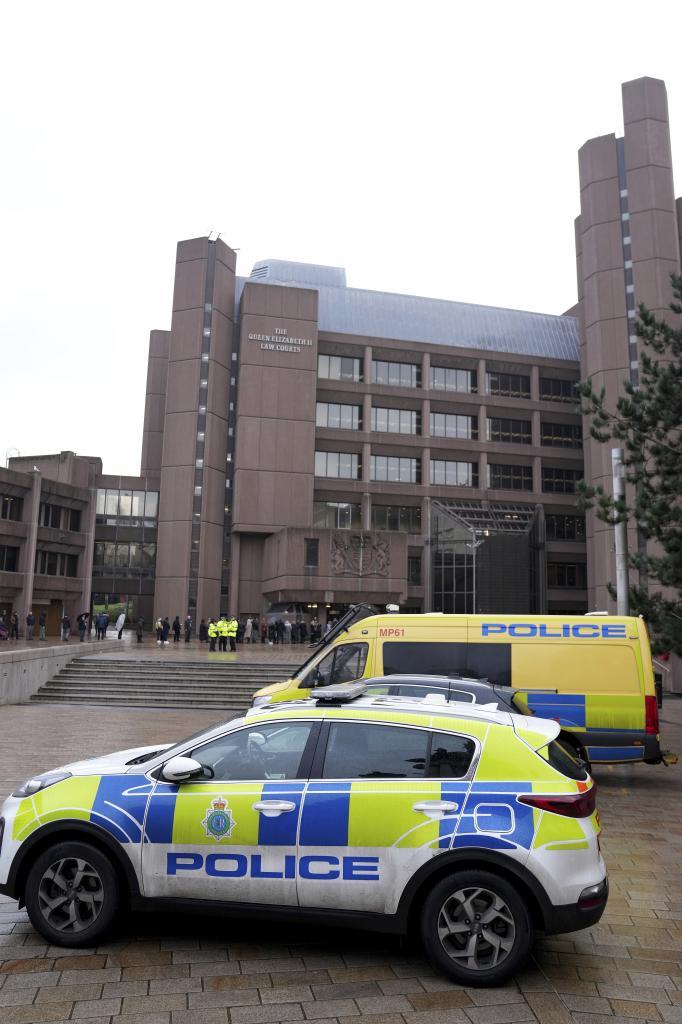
(427, 147)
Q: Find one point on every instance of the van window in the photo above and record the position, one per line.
(479, 661)
(587, 667)
(341, 665)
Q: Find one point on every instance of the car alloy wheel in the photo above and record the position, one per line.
(476, 928)
(70, 894)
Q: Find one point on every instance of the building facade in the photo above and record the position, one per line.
(627, 244)
(307, 445)
(318, 444)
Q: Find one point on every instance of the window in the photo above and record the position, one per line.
(117, 559)
(454, 425)
(356, 750)
(454, 474)
(53, 563)
(403, 375)
(510, 478)
(74, 520)
(399, 518)
(125, 503)
(343, 664)
(345, 465)
(339, 417)
(111, 503)
(339, 368)
(553, 389)
(262, 751)
(560, 481)
(509, 431)
(395, 469)
(396, 421)
(491, 662)
(51, 515)
(567, 575)
(414, 570)
(512, 385)
(9, 558)
(336, 515)
(450, 756)
(100, 503)
(11, 508)
(567, 527)
(151, 504)
(447, 378)
(311, 558)
(562, 435)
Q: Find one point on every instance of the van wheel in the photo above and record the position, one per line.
(72, 894)
(475, 928)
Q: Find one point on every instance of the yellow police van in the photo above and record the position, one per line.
(591, 674)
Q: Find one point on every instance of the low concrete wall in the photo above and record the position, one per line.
(23, 672)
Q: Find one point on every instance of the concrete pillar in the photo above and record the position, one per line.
(88, 555)
(480, 375)
(367, 412)
(536, 433)
(483, 471)
(426, 417)
(24, 598)
(426, 371)
(482, 423)
(426, 466)
(367, 367)
(235, 553)
(366, 463)
(537, 474)
(535, 383)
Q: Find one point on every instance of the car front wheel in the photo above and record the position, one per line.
(476, 928)
(72, 894)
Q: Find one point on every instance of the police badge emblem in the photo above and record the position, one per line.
(219, 821)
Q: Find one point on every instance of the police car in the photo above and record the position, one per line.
(468, 824)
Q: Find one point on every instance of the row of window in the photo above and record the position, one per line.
(443, 378)
(343, 515)
(59, 518)
(463, 427)
(568, 527)
(53, 563)
(396, 469)
(567, 575)
(11, 508)
(122, 502)
(124, 556)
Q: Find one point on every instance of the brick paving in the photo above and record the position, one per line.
(193, 970)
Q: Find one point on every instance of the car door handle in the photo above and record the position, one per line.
(435, 808)
(271, 808)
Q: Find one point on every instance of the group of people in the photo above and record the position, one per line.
(9, 625)
(163, 629)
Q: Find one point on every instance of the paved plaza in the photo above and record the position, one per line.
(176, 969)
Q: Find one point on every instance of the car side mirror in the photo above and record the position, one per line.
(181, 769)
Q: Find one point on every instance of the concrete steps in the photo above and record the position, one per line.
(161, 683)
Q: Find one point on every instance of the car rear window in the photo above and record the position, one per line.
(359, 750)
(563, 759)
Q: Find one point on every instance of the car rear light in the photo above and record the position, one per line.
(651, 716)
(577, 805)
(594, 895)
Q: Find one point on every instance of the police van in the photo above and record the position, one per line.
(591, 674)
(469, 826)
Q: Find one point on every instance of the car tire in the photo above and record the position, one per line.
(476, 928)
(72, 894)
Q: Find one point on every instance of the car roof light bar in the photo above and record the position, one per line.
(342, 694)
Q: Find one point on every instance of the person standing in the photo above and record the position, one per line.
(188, 628)
(165, 630)
(203, 632)
(176, 629)
(30, 622)
(222, 633)
(263, 630)
(42, 624)
(66, 627)
(212, 634)
(248, 630)
(14, 626)
(158, 626)
(120, 623)
(287, 631)
(139, 630)
(231, 633)
(82, 625)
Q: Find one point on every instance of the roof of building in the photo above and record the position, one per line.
(357, 311)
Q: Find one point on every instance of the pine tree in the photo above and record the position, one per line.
(647, 421)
